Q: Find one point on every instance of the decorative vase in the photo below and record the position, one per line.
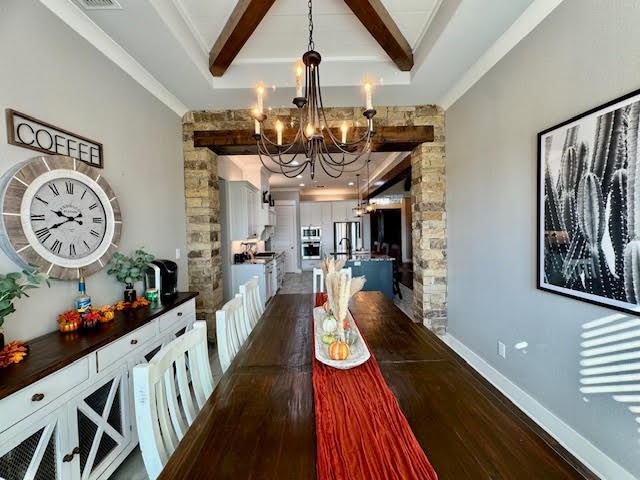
(129, 293)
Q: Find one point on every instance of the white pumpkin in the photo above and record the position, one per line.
(329, 324)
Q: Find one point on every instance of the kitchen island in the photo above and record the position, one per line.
(377, 270)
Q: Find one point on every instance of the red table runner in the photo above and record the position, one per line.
(361, 432)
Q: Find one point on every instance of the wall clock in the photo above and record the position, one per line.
(60, 215)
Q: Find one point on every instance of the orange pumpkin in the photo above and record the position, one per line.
(338, 350)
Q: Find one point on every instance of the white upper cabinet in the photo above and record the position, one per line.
(242, 201)
(343, 211)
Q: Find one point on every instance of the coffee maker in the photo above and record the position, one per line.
(162, 275)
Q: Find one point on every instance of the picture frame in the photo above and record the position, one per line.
(588, 235)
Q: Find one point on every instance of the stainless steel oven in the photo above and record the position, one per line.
(310, 234)
(311, 250)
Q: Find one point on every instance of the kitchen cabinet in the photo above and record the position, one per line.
(243, 202)
(280, 267)
(343, 211)
(77, 421)
(243, 272)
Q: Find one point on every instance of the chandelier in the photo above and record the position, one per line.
(314, 143)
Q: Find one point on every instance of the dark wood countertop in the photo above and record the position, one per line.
(56, 350)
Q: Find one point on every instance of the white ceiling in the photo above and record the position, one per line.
(165, 44)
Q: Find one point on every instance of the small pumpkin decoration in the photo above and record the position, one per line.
(329, 324)
(338, 350)
(325, 305)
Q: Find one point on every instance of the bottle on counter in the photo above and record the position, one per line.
(83, 301)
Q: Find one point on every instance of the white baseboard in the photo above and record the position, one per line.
(592, 457)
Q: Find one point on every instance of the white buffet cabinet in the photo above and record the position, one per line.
(78, 421)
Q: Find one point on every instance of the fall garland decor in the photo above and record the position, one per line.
(13, 352)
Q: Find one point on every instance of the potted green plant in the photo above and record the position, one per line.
(14, 285)
(129, 270)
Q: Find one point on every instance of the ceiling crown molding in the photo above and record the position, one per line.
(71, 14)
(530, 19)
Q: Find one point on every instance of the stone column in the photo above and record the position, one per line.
(428, 191)
(203, 228)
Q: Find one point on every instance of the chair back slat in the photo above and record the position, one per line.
(318, 280)
(253, 305)
(164, 391)
(229, 320)
(182, 381)
(174, 399)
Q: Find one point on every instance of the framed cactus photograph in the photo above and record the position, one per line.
(589, 206)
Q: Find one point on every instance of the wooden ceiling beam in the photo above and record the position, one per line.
(241, 142)
(375, 18)
(244, 19)
(401, 171)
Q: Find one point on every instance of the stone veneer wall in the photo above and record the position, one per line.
(427, 199)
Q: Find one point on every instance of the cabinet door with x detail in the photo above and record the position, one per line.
(100, 423)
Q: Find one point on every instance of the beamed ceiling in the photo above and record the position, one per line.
(210, 54)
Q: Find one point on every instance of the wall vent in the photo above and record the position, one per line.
(100, 4)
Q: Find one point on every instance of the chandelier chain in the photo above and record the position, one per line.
(311, 44)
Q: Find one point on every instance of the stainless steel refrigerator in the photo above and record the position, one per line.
(346, 236)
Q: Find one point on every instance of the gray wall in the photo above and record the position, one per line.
(584, 54)
(49, 72)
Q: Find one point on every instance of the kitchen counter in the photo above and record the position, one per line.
(363, 256)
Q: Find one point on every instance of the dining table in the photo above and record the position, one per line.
(259, 422)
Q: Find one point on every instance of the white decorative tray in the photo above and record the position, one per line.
(358, 352)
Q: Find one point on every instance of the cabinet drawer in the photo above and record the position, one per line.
(122, 347)
(42, 393)
(178, 315)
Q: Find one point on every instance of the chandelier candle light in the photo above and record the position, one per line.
(311, 137)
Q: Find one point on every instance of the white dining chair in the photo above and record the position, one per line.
(318, 280)
(230, 332)
(169, 391)
(253, 306)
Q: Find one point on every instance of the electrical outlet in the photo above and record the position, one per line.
(177, 253)
(502, 349)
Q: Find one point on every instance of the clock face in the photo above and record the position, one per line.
(67, 218)
(58, 214)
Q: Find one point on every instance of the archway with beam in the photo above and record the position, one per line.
(419, 129)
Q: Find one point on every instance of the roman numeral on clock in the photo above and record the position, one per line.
(57, 245)
(94, 233)
(54, 189)
(92, 206)
(72, 250)
(97, 219)
(43, 234)
(86, 245)
(43, 201)
(69, 187)
(37, 218)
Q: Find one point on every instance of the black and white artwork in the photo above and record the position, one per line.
(589, 206)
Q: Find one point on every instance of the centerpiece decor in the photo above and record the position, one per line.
(129, 270)
(340, 288)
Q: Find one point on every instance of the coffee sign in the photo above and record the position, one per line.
(29, 132)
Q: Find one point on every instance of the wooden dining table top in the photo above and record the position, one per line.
(259, 422)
